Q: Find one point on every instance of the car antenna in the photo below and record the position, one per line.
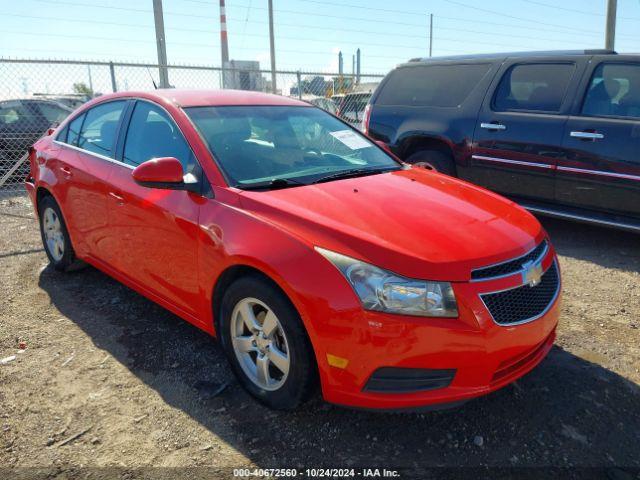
(155, 87)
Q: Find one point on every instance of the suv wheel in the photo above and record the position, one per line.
(55, 237)
(266, 344)
(434, 159)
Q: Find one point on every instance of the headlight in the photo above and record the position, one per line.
(384, 291)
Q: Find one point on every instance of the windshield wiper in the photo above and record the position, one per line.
(357, 172)
(273, 184)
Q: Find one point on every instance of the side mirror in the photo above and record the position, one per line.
(165, 173)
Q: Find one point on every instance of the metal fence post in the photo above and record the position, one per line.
(112, 71)
(299, 84)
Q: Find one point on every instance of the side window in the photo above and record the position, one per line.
(431, 85)
(99, 129)
(614, 91)
(74, 131)
(62, 134)
(13, 112)
(153, 134)
(534, 87)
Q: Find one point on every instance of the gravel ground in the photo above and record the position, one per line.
(108, 379)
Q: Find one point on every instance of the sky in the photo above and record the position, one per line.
(308, 33)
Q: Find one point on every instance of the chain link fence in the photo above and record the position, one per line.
(38, 94)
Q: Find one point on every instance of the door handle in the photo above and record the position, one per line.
(587, 135)
(66, 171)
(119, 200)
(493, 126)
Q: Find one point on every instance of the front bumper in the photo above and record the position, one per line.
(485, 355)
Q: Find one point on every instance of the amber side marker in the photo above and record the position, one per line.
(337, 362)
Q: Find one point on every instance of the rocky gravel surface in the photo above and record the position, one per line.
(106, 384)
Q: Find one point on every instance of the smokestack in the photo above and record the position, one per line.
(358, 66)
(224, 43)
(340, 65)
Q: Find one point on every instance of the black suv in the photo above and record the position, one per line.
(558, 132)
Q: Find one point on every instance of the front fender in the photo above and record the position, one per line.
(316, 288)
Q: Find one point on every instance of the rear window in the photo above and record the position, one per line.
(614, 91)
(534, 87)
(431, 85)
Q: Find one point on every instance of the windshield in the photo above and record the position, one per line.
(285, 146)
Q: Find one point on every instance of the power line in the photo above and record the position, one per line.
(574, 10)
(209, 31)
(198, 45)
(542, 4)
(284, 37)
(306, 26)
(513, 17)
(351, 18)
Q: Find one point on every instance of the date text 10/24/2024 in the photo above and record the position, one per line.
(316, 473)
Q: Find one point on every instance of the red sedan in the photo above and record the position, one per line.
(313, 254)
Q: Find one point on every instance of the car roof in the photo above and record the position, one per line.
(200, 98)
(487, 56)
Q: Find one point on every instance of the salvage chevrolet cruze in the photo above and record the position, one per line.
(313, 254)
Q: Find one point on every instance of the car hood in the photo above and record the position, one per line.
(413, 222)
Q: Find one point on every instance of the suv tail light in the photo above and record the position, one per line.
(365, 119)
(32, 162)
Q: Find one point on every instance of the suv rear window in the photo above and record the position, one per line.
(431, 85)
(614, 91)
(534, 87)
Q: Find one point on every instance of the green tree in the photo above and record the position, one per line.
(82, 89)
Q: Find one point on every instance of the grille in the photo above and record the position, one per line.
(523, 303)
(509, 267)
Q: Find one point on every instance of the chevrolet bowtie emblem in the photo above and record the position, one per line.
(531, 273)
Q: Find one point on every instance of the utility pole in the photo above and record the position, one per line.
(610, 35)
(161, 44)
(430, 34)
(273, 48)
(90, 79)
(358, 66)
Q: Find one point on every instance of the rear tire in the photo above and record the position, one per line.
(439, 161)
(55, 236)
(266, 344)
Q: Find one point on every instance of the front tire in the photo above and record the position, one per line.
(55, 237)
(266, 344)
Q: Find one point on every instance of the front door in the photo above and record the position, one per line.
(601, 169)
(518, 135)
(156, 230)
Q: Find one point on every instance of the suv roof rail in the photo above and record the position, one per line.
(600, 51)
(472, 56)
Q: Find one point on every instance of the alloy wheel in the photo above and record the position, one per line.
(260, 344)
(53, 233)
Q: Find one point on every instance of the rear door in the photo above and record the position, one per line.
(155, 230)
(519, 131)
(601, 169)
(84, 162)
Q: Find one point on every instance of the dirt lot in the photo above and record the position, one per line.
(143, 385)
